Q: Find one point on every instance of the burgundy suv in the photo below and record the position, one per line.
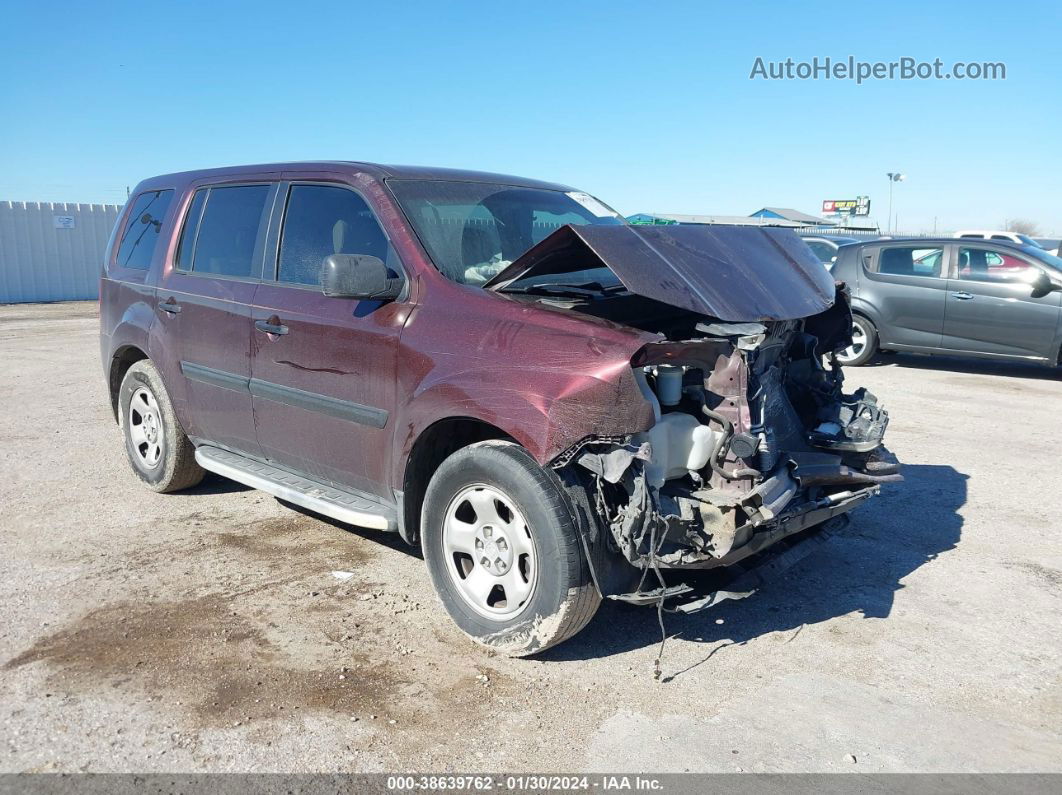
(556, 405)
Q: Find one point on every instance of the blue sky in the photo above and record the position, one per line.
(648, 106)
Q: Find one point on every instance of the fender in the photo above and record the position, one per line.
(132, 330)
(546, 409)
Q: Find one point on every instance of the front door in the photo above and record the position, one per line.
(323, 369)
(990, 308)
(204, 299)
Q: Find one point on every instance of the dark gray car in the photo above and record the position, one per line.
(982, 298)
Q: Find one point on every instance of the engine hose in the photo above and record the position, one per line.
(723, 445)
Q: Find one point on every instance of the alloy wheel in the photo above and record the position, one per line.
(859, 344)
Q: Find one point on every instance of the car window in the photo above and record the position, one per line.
(1001, 237)
(142, 230)
(322, 220)
(911, 261)
(985, 265)
(186, 246)
(473, 230)
(545, 222)
(823, 251)
(224, 243)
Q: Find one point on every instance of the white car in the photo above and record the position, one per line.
(990, 234)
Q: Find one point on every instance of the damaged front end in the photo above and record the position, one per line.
(755, 440)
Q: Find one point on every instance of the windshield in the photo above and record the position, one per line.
(472, 230)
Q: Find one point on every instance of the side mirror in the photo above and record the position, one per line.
(359, 276)
(1042, 285)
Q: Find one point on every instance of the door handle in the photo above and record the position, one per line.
(270, 327)
(170, 306)
(962, 296)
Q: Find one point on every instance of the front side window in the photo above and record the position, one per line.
(911, 261)
(986, 265)
(221, 231)
(472, 230)
(322, 220)
(142, 230)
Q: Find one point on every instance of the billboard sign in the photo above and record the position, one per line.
(857, 206)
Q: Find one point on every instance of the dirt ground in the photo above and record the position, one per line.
(207, 631)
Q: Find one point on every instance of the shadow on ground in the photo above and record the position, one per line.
(857, 571)
(958, 364)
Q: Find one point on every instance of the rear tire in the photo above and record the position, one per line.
(159, 452)
(503, 551)
(864, 345)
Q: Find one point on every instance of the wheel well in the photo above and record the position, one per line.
(432, 447)
(123, 359)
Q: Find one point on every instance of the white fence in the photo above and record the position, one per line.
(52, 251)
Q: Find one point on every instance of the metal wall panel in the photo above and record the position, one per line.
(46, 256)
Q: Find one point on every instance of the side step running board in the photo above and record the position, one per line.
(357, 509)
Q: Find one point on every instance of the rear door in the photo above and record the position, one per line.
(990, 308)
(204, 299)
(904, 284)
(323, 369)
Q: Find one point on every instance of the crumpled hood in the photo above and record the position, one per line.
(734, 273)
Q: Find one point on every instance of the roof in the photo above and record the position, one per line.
(377, 170)
(790, 214)
(943, 241)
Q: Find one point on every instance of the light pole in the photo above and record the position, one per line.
(894, 176)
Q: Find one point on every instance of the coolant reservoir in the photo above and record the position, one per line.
(680, 443)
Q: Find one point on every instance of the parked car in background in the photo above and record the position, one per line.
(989, 234)
(825, 247)
(985, 298)
(554, 405)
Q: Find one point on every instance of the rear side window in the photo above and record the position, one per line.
(221, 232)
(142, 230)
(911, 261)
(320, 221)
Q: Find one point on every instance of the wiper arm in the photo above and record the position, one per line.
(587, 290)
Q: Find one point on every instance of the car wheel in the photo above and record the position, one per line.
(503, 551)
(864, 343)
(159, 451)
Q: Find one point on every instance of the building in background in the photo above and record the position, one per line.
(52, 251)
(794, 216)
(783, 217)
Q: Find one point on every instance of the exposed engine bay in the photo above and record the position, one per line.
(754, 438)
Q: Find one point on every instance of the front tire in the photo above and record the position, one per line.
(158, 449)
(864, 345)
(503, 551)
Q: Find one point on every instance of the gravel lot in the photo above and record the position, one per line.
(206, 631)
